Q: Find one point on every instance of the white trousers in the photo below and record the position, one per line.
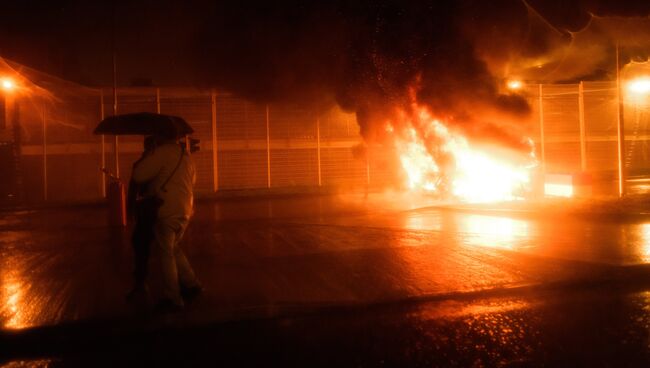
(176, 270)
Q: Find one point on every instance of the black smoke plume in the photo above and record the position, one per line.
(373, 57)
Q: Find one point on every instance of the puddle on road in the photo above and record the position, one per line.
(495, 232)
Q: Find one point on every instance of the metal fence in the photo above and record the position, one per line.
(243, 145)
(576, 128)
(247, 146)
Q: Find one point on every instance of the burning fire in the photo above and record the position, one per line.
(438, 160)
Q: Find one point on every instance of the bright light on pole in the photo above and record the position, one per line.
(8, 84)
(514, 84)
(639, 86)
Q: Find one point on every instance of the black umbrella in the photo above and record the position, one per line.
(145, 123)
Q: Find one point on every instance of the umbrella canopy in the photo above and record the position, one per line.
(145, 123)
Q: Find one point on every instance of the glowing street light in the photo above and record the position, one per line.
(514, 84)
(639, 86)
(8, 84)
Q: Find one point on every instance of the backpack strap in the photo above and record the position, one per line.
(162, 187)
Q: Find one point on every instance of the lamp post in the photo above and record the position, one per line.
(116, 194)
(11, 136)
(620, 132)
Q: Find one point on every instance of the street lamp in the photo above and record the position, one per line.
(514, 84)
(8, 84)
(10, 136)
(639, 86)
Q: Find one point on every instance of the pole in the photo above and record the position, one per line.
(158, 100)
(44, 155)
(215, 172)
(17, 149)
(541, 128)
(116, 197)
(116, 148)
(101, 117)
(268, 150)
(637, 121)
(115, 141)
(320, 182)
(620, 130)
(583, 135)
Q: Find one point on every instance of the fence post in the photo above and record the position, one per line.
(44, 154)
(583, 135)
(158, 100)
(268, 150)
(620, 131)
(541, 128)
(102, 173)
(215, 172)
(320, 182)
(116, 147)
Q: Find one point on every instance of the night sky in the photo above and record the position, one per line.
(162, 39)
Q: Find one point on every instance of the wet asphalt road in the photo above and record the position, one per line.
(334, 280)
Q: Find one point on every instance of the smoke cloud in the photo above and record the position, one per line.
(379, 57)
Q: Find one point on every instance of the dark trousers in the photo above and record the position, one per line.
(143, 236)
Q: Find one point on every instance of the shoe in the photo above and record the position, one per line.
(191, 292)
(168, 306)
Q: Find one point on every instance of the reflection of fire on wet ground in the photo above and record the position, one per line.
(12, 306)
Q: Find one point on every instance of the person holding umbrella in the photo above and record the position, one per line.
(167, 175)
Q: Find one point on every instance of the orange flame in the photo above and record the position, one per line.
(474, 176)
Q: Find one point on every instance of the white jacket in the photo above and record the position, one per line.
(154, 170)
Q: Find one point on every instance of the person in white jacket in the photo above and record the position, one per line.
(169, 174)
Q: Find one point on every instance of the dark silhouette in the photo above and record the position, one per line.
(143, 212)
(168, 174)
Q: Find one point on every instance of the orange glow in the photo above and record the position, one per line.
(12, 307)
(494, 232)
(639, 86)
(417, 162)
(473, 176)
(484, 310)
(558, 186)
(15, 312)
(645, 244)
(558, 190)
(515, 84)
(8, 84)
